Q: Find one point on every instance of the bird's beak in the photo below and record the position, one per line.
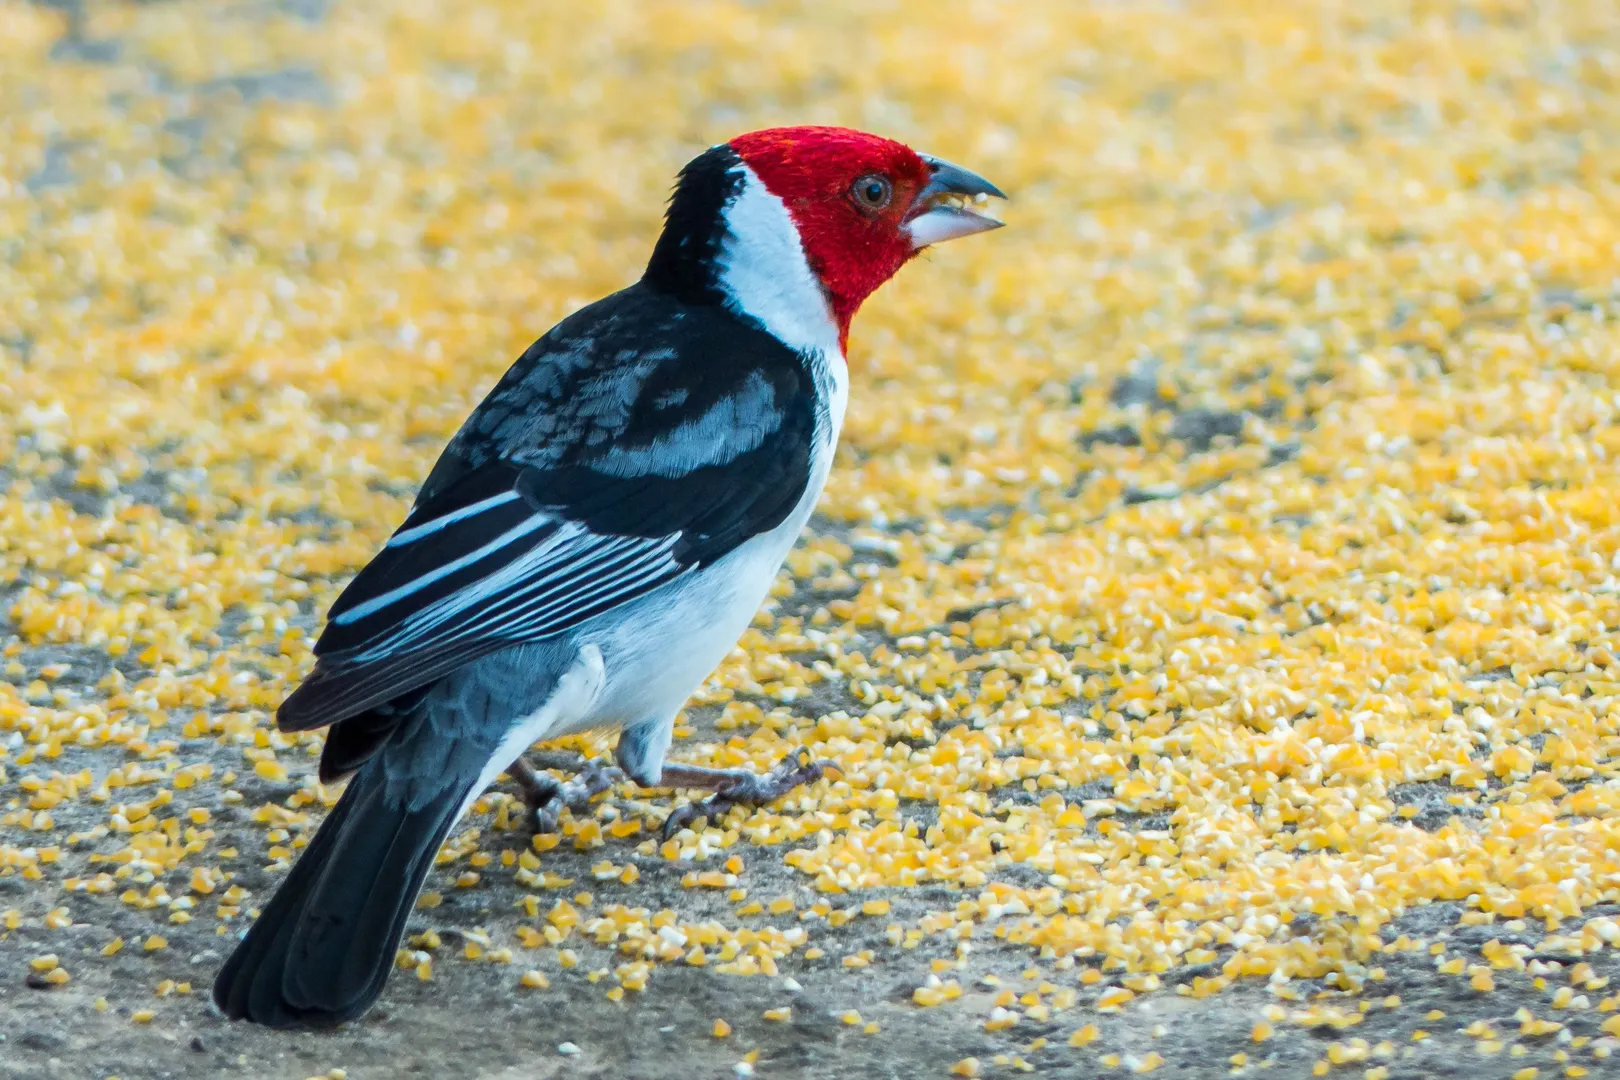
(952, 204)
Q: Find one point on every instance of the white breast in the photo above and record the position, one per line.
(658, 650)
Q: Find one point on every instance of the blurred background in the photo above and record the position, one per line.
(1216, 584)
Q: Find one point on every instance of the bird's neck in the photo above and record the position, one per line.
(764, 274)
(728, 240)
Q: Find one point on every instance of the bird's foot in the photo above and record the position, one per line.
(738, 787)
(546, 796)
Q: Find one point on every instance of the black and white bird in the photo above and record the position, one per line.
(593, 541)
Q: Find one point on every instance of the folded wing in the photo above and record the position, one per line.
(501, 552)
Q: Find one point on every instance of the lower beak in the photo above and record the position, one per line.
(952, 204)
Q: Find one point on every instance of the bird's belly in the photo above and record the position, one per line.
(656, 651)
(659, 651)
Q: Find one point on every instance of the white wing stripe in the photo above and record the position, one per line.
(606, 558)
(416, 532)
(573, 550)
(576, 590)
(594, 591)
(559, 547)
(377, 603)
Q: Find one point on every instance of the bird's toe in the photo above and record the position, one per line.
(751, 790)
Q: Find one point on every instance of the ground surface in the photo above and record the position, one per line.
(1214, 608)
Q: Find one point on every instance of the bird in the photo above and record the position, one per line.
(592, 543)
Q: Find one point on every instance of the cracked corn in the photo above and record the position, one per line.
(1234, 539)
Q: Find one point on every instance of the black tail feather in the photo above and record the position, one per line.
(351, 743)
(324, 945)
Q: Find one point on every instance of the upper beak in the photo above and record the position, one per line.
(945, 208)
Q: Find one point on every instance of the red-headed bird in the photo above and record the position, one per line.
(593, 541)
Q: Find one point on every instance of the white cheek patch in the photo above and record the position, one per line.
(764, 271)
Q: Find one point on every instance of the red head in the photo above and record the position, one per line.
(857, 200)
(783, 223)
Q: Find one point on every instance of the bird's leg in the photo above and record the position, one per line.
(546, 796)
(736, 787)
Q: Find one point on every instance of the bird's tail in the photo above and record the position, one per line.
(323, 947)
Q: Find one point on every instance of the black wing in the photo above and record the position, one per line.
(574, 488)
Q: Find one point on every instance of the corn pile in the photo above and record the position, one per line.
(1221, 562)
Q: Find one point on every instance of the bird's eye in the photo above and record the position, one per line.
(871, 192)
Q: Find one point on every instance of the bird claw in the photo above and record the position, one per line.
(546, 796)
(749, 789)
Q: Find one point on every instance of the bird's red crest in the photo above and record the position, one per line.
(853, 245)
